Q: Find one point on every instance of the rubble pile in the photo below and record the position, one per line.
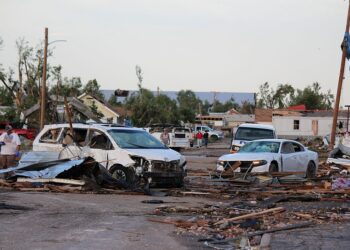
(73, 176)
(247, 207)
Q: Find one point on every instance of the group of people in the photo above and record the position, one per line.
(10, 145)
(199, 136)
(202, 137)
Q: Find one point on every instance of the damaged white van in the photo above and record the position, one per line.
(129, 154)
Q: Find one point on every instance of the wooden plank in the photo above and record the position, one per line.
(53, 180)
(252, 215)
(197, 193)
(34, 189)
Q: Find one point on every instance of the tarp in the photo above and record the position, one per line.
(50, 172)
(85, 168)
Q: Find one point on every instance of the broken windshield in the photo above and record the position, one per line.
(135, 139)
(260, 147)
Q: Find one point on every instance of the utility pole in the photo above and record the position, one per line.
(43, 82)
(340, 81)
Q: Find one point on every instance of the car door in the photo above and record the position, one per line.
(72, 146)
(294, 157)
(51, 140)
(288, 157)
(301, 157)
(99, 146)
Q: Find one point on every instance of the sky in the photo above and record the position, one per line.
(202, 45)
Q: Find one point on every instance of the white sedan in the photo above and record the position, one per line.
(274, 155)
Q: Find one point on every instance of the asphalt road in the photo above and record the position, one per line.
(84, 221)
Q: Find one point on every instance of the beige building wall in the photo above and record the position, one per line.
(108, 114)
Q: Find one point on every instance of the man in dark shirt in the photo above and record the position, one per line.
(206, 138)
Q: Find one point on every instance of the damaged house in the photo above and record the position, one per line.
(107, 113)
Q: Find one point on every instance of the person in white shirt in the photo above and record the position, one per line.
(10, 145)
(164, 137)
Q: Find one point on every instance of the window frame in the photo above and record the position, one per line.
(296, 124)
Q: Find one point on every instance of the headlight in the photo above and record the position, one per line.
(220, 166)
(182, 160)
(220, 163)
(235, 148)
(259, 163)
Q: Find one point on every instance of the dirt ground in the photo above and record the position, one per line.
(35, 220)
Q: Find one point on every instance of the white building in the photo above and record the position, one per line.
(308, 123)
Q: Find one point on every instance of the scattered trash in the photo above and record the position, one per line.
(341, 183)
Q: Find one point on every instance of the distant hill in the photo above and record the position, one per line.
(222, 97)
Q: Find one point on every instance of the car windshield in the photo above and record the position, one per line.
(250, 134)
(127, 138)
(260, 147)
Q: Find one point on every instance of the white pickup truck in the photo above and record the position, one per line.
(180, 137)
(250, 132)
(214, 135)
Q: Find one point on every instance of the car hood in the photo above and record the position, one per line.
(156, 154)
(248, 156)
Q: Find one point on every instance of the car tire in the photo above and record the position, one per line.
(213, 138)
(122, 173)
(273, 167)
(179, 182)
(311, 170)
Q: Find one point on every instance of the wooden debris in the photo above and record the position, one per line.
(252, 215)
(53, 180)
(288, 227)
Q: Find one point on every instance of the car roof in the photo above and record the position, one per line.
(99, 126)
(278, 140)
(255, 125)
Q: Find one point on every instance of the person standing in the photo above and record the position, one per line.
(10, 147)
(164, 137)
(199, 137)
(206, 138)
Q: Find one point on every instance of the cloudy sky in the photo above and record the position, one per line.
(203, 45)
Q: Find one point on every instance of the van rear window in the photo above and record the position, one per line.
(250, 134)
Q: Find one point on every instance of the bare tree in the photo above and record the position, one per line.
(139, 75)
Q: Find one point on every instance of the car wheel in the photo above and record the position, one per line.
(122, 173)
(179, 182)
(273, 167)
(311, 170)
(213, 138)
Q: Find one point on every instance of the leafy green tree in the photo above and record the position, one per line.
(188, 104)
(205, 107)
(5, 97)
(284, 95)
(10, 114)
(266, 96)
(226, 106)
(313, 98)
(167, 110)
(24, 88)
(93, 88)
(147, 108)
(69, 87)
(142, 106)
(246, 108)
(279, 98)
(113, 101)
